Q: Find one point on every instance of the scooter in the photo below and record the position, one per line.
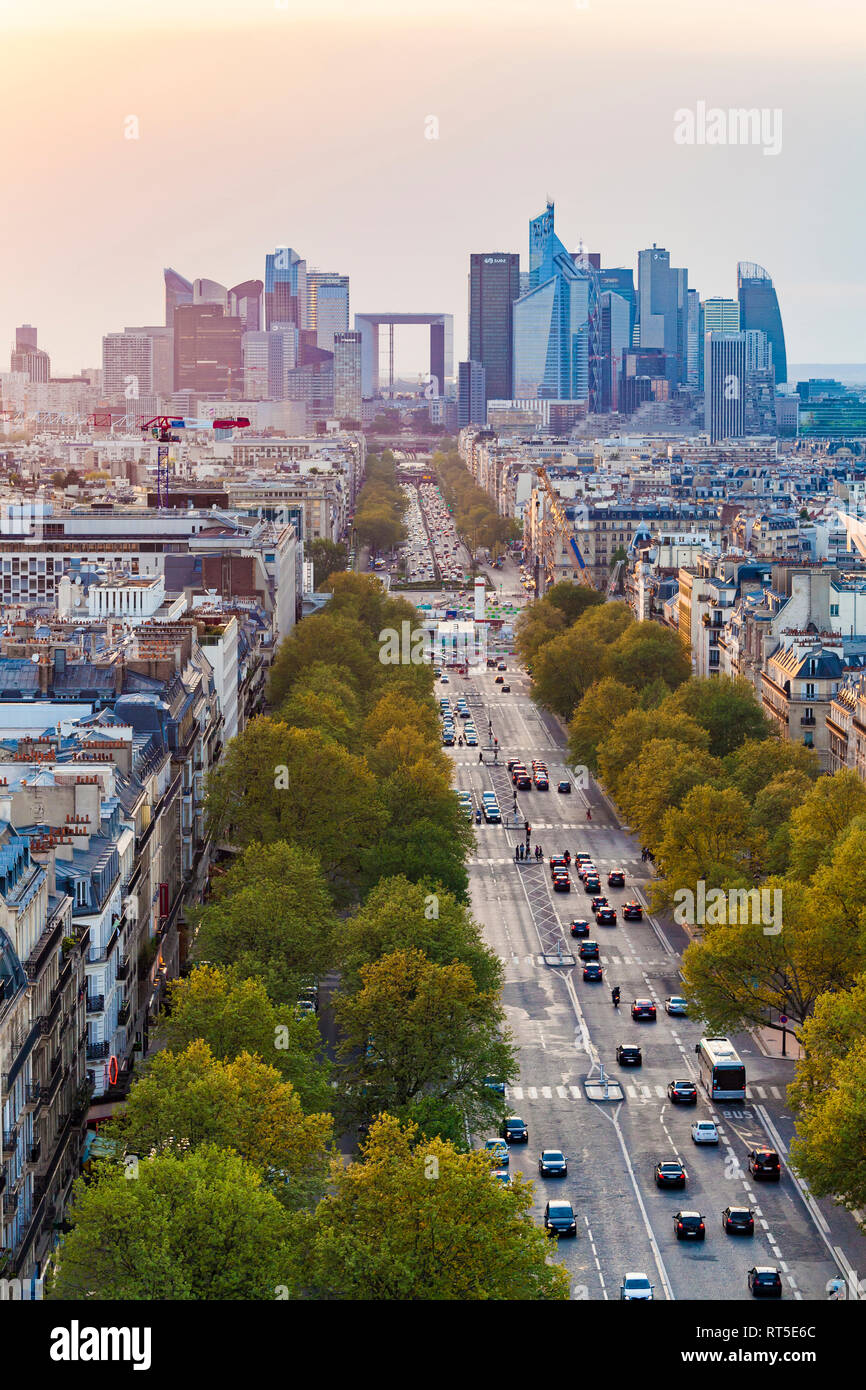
(477, 817)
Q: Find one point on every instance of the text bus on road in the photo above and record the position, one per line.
(723, 1075)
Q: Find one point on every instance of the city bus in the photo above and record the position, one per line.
(723, 1074)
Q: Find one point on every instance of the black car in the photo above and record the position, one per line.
(522, 782)
(552, 1163)
(632, 912)
(765, 1282)
(670, 1173)
(764, 1163)
(564, 787)
(606, 916)
(592, 970)
(557, 861)
(506, 689)
(591, 885)
(643, 1008)
(514, 1130)
(689, 1225)
(683, 1092)
(561, 882)
(738, 1221)
(579, 927)
(588, 950)
(599, 901)
(500, 680)
(541, 782)
(559, 1219)
(616, 879)
(629, 1055)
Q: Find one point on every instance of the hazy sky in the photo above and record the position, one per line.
(265, 123)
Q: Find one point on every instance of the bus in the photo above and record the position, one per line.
(723, 1075)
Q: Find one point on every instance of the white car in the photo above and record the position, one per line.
(636, 1288)
(676, 1004)
(705, 1132)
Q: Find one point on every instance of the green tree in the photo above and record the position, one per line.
(603, 704)
(772, 808)
(832, 803)
(326, 556)
(416, 1220)
(760, 761)
(727, 709)
(659, 779)
(572, 600)
(646, 652)
(536, 625)
(622, 746)
(709, 838)
(335, 639)
(199, 1227)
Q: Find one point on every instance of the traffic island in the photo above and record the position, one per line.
(602, 1087)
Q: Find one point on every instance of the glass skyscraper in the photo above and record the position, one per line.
(724, 385)
(285, 288)
(663, 298)
(494, 284)
(759, 308)
(551, 321)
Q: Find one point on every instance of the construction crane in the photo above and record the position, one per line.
(161, 427)
(564, 527)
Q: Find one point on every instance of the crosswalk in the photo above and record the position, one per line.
(603, 865)
(634, 1090)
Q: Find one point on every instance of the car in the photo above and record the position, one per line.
(598, 901)
(552, 1163)
(559, 1219)
(491, 663)
(579, 926)
(512, 764)
(305, 1008)
(643, 1008)
(632, 912)
(629, 1055)
(514, 1130)
(448, 739)
(670, 1173)
(676, 1004)
(764, 1163)
(705, 1132)
(497, 1149)
(606, 916)
(541, 782)
(765, 1282)
(522, 782)
(636, 1288)
(616, 879)
(310, 995)
(689, 1225)
(502, 666)
(586, 868)
(557, 861)
(683, 1092)
(443, 680)
(494, 1083)
(583, 856)
(500, 680)
(501, 1175)
(564, 787)
(471, 741)
(592, 971)
(561, 882)
(506, 690)
(588, 950)
(591, 885)
(738, 1221)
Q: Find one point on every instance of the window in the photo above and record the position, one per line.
(809, 690)
(834, 610)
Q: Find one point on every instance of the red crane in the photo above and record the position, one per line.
(162, 427)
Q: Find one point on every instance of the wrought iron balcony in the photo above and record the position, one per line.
(98, 1051)
(10, 1141)
(95, 1003)
(34, 1153)
(123, 1012)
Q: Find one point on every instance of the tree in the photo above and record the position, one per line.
(708, 839)
(831, 805)
(326, 556)
(271, 917)
(191, 1098)
(394, 711)
(758, 762)
(233, 1014)
(535, 626)
(622, 746)
(726, 708)
(337, 640)
(772, 808)
(602, 705)
(572, 600)
(665, 771)
(199, 1227)
(646, 652)
(416, 1032)
(309, 709)
(416, 1220)
(403, 915)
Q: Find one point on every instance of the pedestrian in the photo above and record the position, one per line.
(521, 851)
(481, 757)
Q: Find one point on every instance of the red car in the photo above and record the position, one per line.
(643, 1008)
(632, 912)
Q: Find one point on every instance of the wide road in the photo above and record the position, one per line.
(565, 1027)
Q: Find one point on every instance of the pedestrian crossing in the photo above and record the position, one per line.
(634, 1090)
(603, 865)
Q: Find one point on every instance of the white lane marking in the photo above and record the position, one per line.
(660, 1092)
(775, 1092)
(576, 1092)
(515, 1092)
(532, 1093)
(562, 1092)
(759, 1091)
(546, 1093)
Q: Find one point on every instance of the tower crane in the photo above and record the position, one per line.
(162, 427)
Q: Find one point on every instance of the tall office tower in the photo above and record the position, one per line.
(694, 373)
(26, 336)
(552, 321)
(494, 285)
(208, 354)
(210, 292)
(312, 381)
(285, 288)
(261, 372)
(721, 316)
(615, 343)
(327, 306)
(472, 394)
(760, 406)
(26, 357)
(178, 290)
(127, 366)
(759, 308)
(162, 356)
(663, 299)
(620, 280)
(724, 385)
(245, 303)
(759, 351)
(347, 375)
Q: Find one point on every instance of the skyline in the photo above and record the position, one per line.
(209, 184)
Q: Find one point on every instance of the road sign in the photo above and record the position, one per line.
(783, 1018)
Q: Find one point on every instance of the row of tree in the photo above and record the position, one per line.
(381, 504)
(477, 521)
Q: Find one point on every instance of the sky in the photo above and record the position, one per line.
(260, 123)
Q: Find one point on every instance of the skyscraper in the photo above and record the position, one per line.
(663, 297)
(551, 321)
(162, 356)
(347, 375)
(615, 343)
(285, 288)
(26, 336)
(327, 306)
(759, 308)
(27, 357)
(620, 280)
(471, 394)
(494, 285)
(178, 290)
(208, 355)
(127, 366)
(694, 354)
(245, 303)
(721, 316)
(724, 385)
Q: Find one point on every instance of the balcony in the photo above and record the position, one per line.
(123, 1012)
(10, 1141)
(808, 720)
(47, 1021)
(96, 1003)
(98, 1051)
(123, 968)
(34, 1153)
(33, 1095)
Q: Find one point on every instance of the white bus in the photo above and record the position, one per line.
(723, 1074)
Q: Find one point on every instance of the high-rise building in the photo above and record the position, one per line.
(471, 394)
(178, 290)
(26, 357)
(552, 321)
(26, 336)
(724, 385)
(245, 303)
(127, 366)
(285, 288)
(620, 280)
(760, 406)
(347, 375)
(327, 306)
(759, 350)
(210, 292)
(208, 354)
(694, 356)
(759, 308)
(494, 285)
(615, 343)
(721, 316)
(162, 356)
(663, 298)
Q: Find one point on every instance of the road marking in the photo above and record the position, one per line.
(515, 1092)
(660, 1092)
(759, 1091)
(532, 1092)
(546, 1093)
(775, 1092)
(562, 1092)
(575, 1092)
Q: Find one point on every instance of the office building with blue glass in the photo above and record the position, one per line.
(759, 308)
(551, 321)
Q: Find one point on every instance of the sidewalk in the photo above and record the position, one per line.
(769, 1042)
